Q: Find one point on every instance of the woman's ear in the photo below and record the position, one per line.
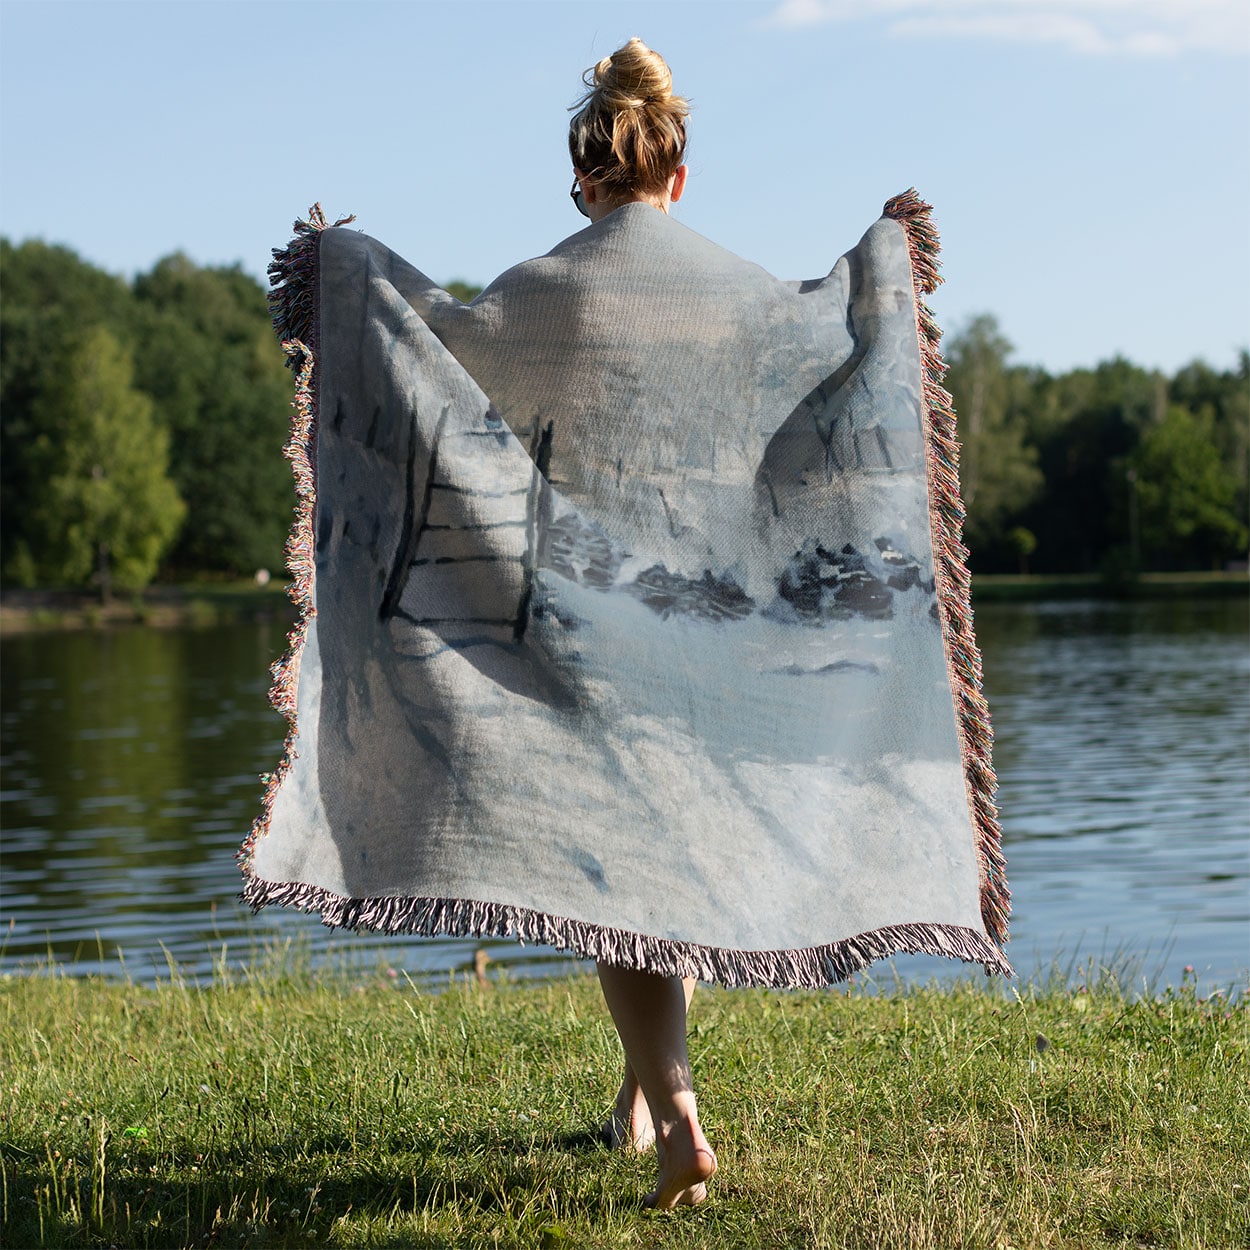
(678, 185)
(588, 186)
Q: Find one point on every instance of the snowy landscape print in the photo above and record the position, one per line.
(712, 657)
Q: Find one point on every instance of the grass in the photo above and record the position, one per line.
(284, 1108)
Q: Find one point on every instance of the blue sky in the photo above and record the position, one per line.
(1089, 160)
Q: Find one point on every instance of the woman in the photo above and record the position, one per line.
(628, 143)
(641, 624)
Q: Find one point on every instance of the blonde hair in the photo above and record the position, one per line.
(629, 131)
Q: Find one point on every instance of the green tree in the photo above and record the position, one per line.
(1223, 399)
(1024, 543)
(208, 358)
(1187, 493)
(998, 467)
(1086, 424)
(464, 291)
(106, 509)
(51, 297)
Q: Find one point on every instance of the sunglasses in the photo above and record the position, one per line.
(576, 196)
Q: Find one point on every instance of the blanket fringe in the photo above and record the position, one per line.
(293, 304)
(808, 968)
(293, 276)
(954, 583)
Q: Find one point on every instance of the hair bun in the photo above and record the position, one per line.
(633, 77)
(629, 130)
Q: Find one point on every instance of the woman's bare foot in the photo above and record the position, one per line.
(686, 1165)
(629, 1126)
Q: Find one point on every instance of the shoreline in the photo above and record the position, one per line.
(1036, 587)
(202, 605)
(174, 606)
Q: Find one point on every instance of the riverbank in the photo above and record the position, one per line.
(163, 606)
(280, 1109)
(1018, 588)
(224, 603)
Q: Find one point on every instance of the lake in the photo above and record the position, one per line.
(131, 759)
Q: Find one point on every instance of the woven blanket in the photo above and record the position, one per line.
(634, 618)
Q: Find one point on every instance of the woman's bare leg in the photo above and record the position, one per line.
(650, 1015)
(629, 1127)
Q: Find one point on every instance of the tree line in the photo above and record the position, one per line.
(142, 423)
(1114, 470)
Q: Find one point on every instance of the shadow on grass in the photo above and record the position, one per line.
(285, 1196)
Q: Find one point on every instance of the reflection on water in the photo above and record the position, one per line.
(1123, 753)
(131, 759)
(131, 762)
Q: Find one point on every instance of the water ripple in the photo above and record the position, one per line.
(131, 764)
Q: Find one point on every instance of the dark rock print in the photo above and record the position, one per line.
(711, 598)
(822, 585)
(903, 569)
(580, 552)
